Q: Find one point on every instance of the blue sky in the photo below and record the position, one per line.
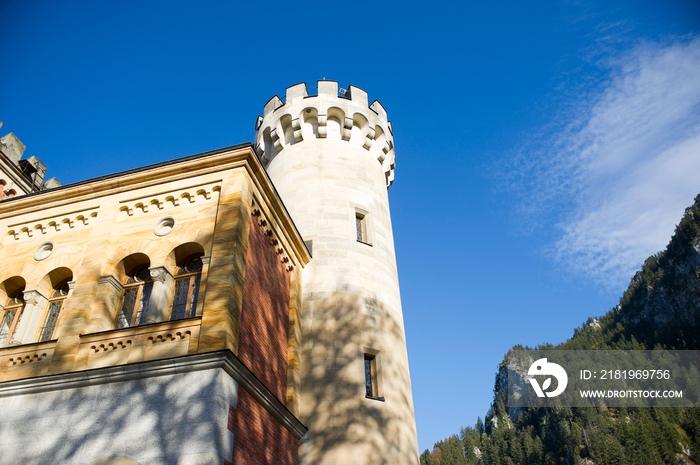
(544, 149)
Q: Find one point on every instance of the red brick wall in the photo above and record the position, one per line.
(265, 314)
(258, 438)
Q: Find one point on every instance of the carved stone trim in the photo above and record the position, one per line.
(261, 219)
(15, 356)
(43, 251)
(52, 224)
(169, 337)
(110, 346)
(170, 199)
(26, 359)
(33, 297)
(160, 273)
(164, 226)
(110, 279)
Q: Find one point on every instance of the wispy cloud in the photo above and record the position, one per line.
(618, 172)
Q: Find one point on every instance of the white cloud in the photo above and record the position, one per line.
(629, 162)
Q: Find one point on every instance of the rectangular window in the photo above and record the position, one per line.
(134, 307)
(361, 227)
(9, 317)
(59, 295)
(185, 297)
(186, 289)
(127, 308)
(47, 330)
(7, 324)
(142, 314)
(371, 377)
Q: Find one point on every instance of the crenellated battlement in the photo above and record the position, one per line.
(330, 114)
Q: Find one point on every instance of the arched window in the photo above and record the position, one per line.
(137, 292)
(9, 317)
(187, 277)
(58, 296)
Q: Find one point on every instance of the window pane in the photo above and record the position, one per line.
(127, 310)
(142, 314)
(5, 325)
(358, 226)
(177, 311)
(195, 291)
(369, 382)
(51, 318)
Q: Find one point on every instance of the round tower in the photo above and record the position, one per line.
(331, 158)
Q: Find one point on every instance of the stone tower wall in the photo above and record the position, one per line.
(331, 158)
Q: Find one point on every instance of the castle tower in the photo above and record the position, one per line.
(331, 158)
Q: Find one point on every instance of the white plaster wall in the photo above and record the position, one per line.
(174, 419)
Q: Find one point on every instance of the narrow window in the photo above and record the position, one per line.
(9, 317)
(137, 293)
(188, 276)
(361, 227)
(54, 308)
(370, 376)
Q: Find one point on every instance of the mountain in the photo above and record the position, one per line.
(659, 310)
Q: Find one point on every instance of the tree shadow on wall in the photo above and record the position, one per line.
(160, 418)
(344, 425)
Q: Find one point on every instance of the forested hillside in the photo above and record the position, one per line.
(659, 310)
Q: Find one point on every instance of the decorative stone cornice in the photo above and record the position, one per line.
(111, 346)
(27, 359)
(12, 356)
(169, 199)
(272, 236)
(169, 337)
(224, 360)
(51, 225)
(33, 297)
(159, 273)
(110, 279)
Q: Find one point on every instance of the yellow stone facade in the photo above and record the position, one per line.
(87, 233)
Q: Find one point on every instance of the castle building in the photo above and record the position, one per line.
(20, 176)
(237, 306)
